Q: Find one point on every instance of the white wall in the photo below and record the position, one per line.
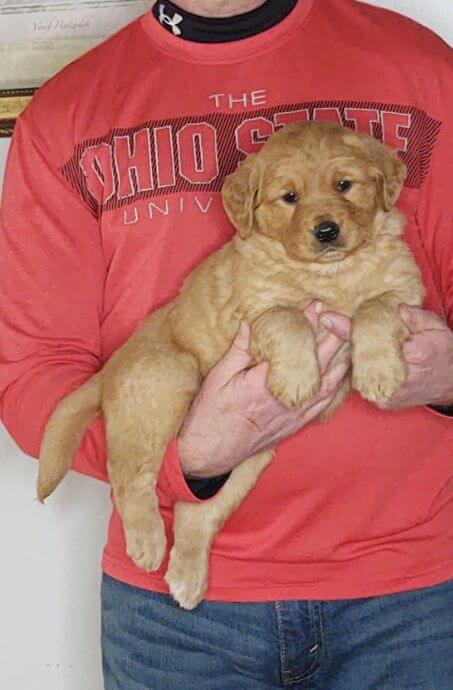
(435, 14)
(49, 573)
(49, 576)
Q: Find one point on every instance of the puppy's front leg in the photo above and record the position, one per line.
(195, 526)
(378, 334)
(284, 337)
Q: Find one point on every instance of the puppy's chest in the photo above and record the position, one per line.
(339, 293)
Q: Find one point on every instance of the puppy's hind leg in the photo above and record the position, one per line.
(195, 526)
(144, 407)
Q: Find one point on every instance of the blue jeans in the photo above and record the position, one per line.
(395, 642)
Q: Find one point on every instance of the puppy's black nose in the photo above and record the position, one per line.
(327, 231)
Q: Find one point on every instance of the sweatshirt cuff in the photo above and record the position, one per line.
(441, 410)
(185, 488)
(206, 488)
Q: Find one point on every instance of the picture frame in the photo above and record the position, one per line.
(12, 102)
(39, 37)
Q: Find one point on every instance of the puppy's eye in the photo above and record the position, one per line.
(344, 185)
(290, 198)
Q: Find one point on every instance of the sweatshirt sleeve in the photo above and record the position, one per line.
(435, 214)
(52, 272)
(51, 289)
(435, 220)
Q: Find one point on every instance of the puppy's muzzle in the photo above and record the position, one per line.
(326, 232)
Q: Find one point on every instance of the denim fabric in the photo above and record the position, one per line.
(395, 642)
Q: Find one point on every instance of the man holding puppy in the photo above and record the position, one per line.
(336, 571)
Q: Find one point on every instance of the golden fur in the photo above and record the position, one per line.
(267, 274)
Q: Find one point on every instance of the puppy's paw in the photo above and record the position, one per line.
(377, 377)
(294, 383)
(187, 577)
(146, 545)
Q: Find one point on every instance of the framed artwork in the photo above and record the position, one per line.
(40, 37)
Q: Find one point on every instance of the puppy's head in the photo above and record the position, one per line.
(317, 188)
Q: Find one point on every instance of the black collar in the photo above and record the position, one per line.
(191, 27)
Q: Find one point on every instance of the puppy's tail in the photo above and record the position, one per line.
(64, 432)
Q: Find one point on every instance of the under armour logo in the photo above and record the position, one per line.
(172, 22)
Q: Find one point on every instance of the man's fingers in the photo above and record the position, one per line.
(418, 349)
(312, 313)
(313, 411)
(418, 320)
(339, 328)
(236, 359)
(332, 380)
(327, 349)
(336, 323)
(256, 376)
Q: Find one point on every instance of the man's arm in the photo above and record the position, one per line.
(51, 291)
(51, 298)
(429, 349)
(435, 213)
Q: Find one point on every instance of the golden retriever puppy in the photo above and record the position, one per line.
(314, 217)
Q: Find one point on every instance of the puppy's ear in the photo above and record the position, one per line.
(239, 194)
(389, 172)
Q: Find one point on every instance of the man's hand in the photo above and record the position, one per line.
(429, 358)
(235, 416)
(428, 352)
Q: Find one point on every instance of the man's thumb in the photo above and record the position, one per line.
(238, 356)
(418, 320)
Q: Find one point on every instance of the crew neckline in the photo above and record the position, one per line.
(188, 26)
(232, 51)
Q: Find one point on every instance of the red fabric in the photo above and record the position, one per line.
(111, 197)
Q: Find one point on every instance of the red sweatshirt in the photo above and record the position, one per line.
(112, 196)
